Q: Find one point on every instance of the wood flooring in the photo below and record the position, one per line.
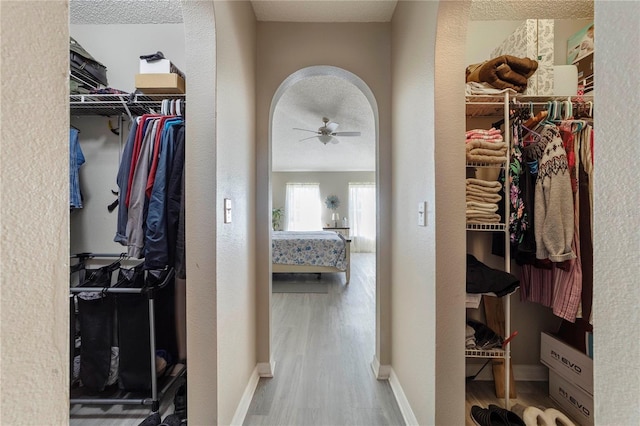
(323, 345)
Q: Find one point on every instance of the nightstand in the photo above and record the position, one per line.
(339, 230)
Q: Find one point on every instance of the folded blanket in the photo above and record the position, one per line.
(491, 132)
(482, 144)
(483, 198)
(503, 72)
(483, 137)
(481, 206)
(486, 159)
(488, 152)
(483, 218)
(491, 186)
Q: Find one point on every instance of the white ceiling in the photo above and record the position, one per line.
(305, 103)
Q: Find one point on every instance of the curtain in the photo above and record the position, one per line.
(362, 216)
(303, 207)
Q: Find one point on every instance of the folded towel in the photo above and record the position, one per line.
(487, 159)
(485, 144)
(481, 191)
(491, 131)
(477, 205)
(476, 217)
(488, 152)
(476, 136)
(485, 198)
(491, 186)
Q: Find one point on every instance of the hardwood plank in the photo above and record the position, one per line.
(323, 346)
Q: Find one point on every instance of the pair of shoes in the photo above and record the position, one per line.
(171, 420)
(180, 401)
(153, 420)
(495, 416)
(534, 416)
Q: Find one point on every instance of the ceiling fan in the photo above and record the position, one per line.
(327, 133)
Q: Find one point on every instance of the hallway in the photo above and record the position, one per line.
(323, 348)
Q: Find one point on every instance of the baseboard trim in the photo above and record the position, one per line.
(245, 401)
(403, 403)
(266, 369)
(382, 372)
(521, 372)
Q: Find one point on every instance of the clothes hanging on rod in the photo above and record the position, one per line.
(150, 172)
(76, 159)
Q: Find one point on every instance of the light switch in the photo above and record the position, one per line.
(227, 210)
(422, 213)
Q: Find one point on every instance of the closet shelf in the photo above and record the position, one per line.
(486, 226)
(493, 105)
(118, 104)
(488, 353)
(487, 165)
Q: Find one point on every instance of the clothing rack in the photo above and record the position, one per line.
(123, 397)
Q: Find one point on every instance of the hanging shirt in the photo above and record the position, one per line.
(76, 159)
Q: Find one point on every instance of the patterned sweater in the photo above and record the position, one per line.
(554, 227)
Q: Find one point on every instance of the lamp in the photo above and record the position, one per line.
(325, 139)
(335, 217)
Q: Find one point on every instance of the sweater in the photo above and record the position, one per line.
(554, 218)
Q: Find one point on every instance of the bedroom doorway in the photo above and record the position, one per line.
(344, 166)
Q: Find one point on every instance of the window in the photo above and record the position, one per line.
(303, 207)
(362, 216)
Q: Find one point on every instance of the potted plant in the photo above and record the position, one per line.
(276, 216)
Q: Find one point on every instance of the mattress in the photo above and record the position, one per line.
(317, 248)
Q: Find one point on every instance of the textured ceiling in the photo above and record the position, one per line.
(303, 105)
(490, 10)
(125, 12)
(324, 11)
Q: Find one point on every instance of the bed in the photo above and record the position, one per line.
(308, 252)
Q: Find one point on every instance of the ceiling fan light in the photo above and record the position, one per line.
(325, 139)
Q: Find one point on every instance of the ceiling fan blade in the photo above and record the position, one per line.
(311, 137)
(307, 130)
(332, 127)
(346, 134)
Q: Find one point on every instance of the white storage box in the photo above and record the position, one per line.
(570, 363)
(574, 401)
(161, 66)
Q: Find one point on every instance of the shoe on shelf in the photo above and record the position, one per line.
(485, 417)
(171, 420)
(153, 420)
(533, 416)
(180, 401)
(510, 417)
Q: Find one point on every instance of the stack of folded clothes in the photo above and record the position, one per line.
(482, 201)
(503, 72)
(486, 146)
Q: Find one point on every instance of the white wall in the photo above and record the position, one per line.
(364, 50)
(616, 239)
(331, 183)
(119, 47)
(427, 306)
(235, 164)
(34, 213)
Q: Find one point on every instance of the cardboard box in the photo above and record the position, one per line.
(160, 83)
(577, 403)
(570, 363)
